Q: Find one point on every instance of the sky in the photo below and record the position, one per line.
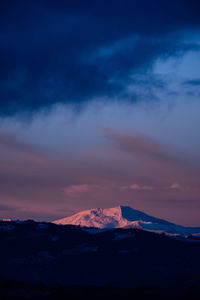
(99, 107)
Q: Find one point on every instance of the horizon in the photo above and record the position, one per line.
(91, 209)
(99, 107)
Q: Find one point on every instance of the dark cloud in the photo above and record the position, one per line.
(5, 207)
(193, 82)
(73, 51)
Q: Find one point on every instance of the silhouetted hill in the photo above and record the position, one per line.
(35, 252)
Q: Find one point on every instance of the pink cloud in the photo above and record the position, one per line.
(175, 186)
(141, 187)
(135, 187)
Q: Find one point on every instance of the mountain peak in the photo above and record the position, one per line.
(115, 217)
(125, 217)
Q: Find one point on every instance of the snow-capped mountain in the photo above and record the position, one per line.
(126, 217)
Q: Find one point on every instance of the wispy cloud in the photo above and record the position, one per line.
(140, 145)
(156, 163)
(128, 169)
(136, 186)
(9, 142)
(175, 186)
(77, 190)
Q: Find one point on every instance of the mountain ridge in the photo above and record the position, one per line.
(125, 217)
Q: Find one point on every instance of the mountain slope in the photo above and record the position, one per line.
(124, 216)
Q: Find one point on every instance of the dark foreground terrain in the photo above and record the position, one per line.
(13, 290)
(48, 261)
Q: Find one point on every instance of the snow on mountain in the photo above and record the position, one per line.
(125, 217)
